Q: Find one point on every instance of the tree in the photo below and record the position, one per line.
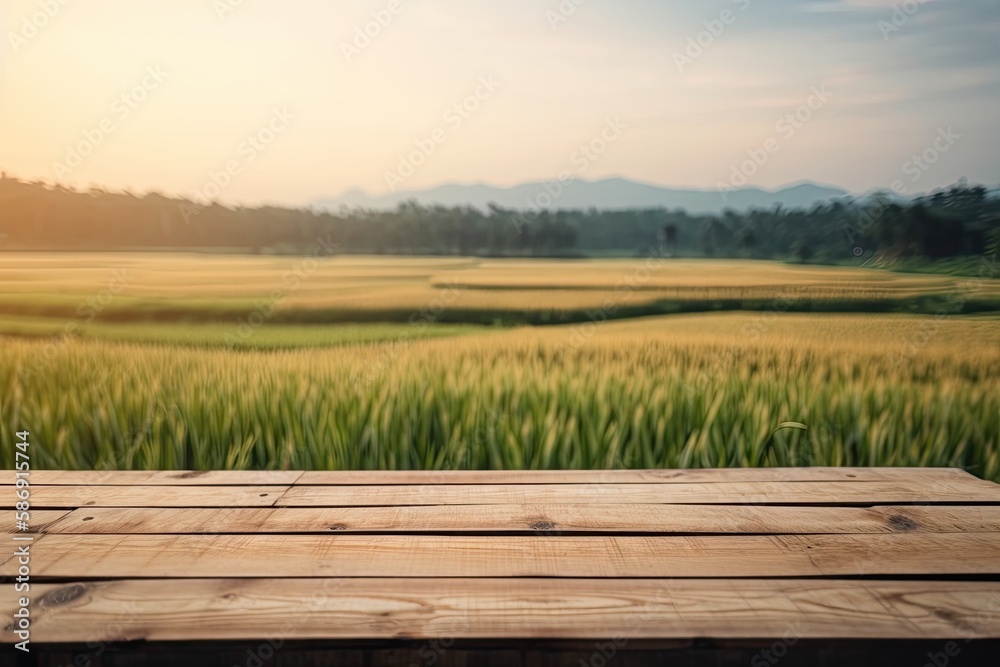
(746, 239)
(803, 250)
(954, 222)
(670, 238)
(993, 247)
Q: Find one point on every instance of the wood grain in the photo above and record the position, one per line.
(116, 556)
(51, 497)
(833, 553)
(754, 493)
(536, 519)
(289, 609)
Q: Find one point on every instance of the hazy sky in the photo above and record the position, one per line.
(161, 94)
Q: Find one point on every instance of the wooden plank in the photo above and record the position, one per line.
(754, 493)
(117, 556)
(708, 476)
(48, 497)
(39, 521)
(749, 493)
(157, 477)
(418, 477)
(234, 609)
(547, 519)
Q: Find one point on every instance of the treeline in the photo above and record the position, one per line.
(958, 221)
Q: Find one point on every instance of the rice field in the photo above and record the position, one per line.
(163, 361)
(222, 335)
(166, 288)
(705, 390)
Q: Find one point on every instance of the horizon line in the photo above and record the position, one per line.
(316, 201)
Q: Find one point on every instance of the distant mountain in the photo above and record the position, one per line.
(607, 194)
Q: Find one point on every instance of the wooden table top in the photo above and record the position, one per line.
(850, 553)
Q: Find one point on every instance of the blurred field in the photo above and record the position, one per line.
(219, 288)
(270, 337)
(223, 361)
(679, 391)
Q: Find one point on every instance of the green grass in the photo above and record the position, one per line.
(143, 316)
(958, 266)
(264, 337)
(682, 391)
(971, 266)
